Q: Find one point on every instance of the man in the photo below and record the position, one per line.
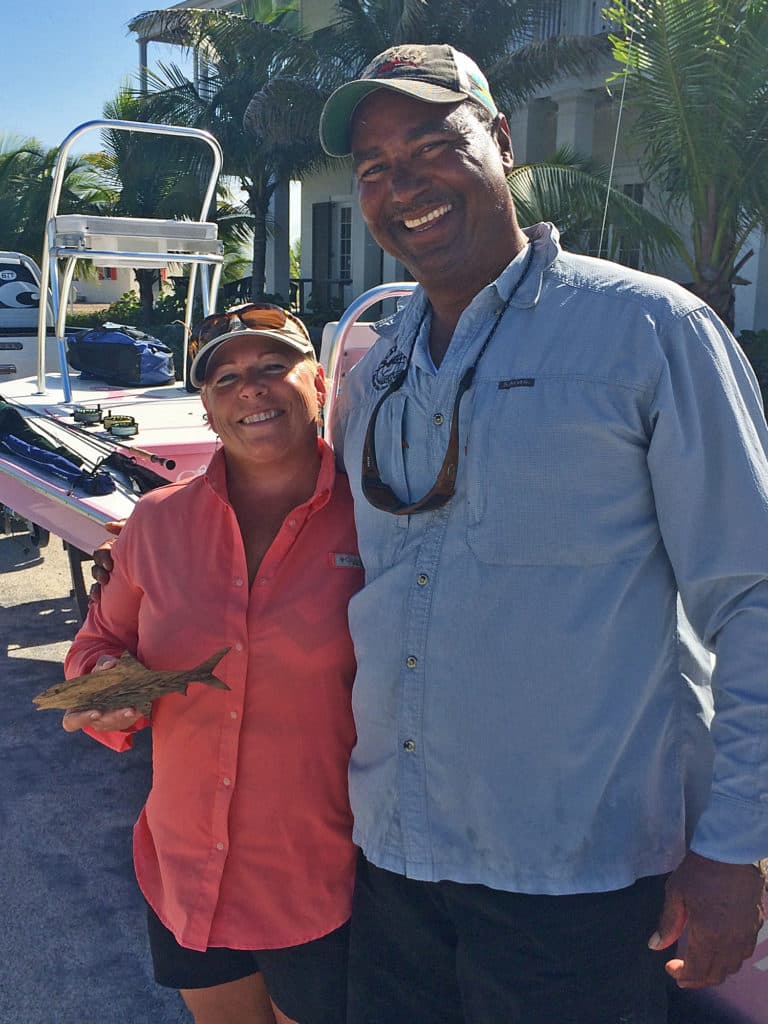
(554, 449)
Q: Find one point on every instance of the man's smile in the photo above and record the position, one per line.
(428, 219)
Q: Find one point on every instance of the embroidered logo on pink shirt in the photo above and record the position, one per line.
(342, 561)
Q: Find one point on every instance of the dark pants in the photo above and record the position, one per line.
(447, 953)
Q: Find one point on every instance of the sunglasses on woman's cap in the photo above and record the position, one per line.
(259, 319)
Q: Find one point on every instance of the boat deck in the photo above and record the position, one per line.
(170, 427)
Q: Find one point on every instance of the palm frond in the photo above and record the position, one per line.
(571, 191)
(283, 118)
(697, 79)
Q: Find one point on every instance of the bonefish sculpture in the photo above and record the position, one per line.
(128, 685)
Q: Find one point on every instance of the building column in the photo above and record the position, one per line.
(575, 120)
(751, 310)
(532, 129)
(143, 60)
(366, 255)
(760, 317)
(519, 128)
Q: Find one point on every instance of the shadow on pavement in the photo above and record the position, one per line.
(38, 624)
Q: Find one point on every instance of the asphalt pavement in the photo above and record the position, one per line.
(72, 935)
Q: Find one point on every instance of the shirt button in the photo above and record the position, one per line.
(238, 582)
(422, 579)
(238, 646)
(438, 419)
(262, 580)
(233, 714)
(411, 662)
(227, 781)
(291, 522)
(219, 846)
(410, 746)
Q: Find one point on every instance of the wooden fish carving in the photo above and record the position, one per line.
(128, 685)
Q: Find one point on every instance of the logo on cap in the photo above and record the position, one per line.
(393, 65)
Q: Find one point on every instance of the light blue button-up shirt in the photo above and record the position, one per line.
(532, 706)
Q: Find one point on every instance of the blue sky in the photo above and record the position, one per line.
(63, 59)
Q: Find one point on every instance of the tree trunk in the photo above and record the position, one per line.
(717, 293)
(146, 278)
(713, 236)
(258, 204)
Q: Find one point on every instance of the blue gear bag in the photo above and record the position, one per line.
(121, 355)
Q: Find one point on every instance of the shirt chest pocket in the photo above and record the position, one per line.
(557, 474)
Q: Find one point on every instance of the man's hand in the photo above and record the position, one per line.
(722, 907)
(102, 558)
(102, 721)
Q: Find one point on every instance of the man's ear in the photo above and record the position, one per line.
(503, 139)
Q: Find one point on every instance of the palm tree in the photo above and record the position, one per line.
(697, 80)
(25, 184)
(240, 55)
(501, 35)
(261, 54)
(507, 38)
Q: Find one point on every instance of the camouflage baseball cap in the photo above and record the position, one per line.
(432, 74)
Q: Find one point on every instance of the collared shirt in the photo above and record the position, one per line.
(245, 839)
(531, 703)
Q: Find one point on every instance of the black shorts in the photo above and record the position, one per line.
(307, 982)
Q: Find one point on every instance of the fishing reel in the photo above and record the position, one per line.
(87, 416)
(116, 425)
(121, 426)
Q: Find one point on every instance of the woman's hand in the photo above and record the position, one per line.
(102, 558)
(102, 721)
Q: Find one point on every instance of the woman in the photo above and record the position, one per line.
(243, 849)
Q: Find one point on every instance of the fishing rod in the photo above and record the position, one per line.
(50, 429)
(89, 464)
(105, 445)
(615, 143)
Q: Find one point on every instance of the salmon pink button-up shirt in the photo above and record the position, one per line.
(245, 839)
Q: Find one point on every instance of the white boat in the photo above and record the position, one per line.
(36, 380)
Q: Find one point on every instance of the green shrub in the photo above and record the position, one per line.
(86, 319)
